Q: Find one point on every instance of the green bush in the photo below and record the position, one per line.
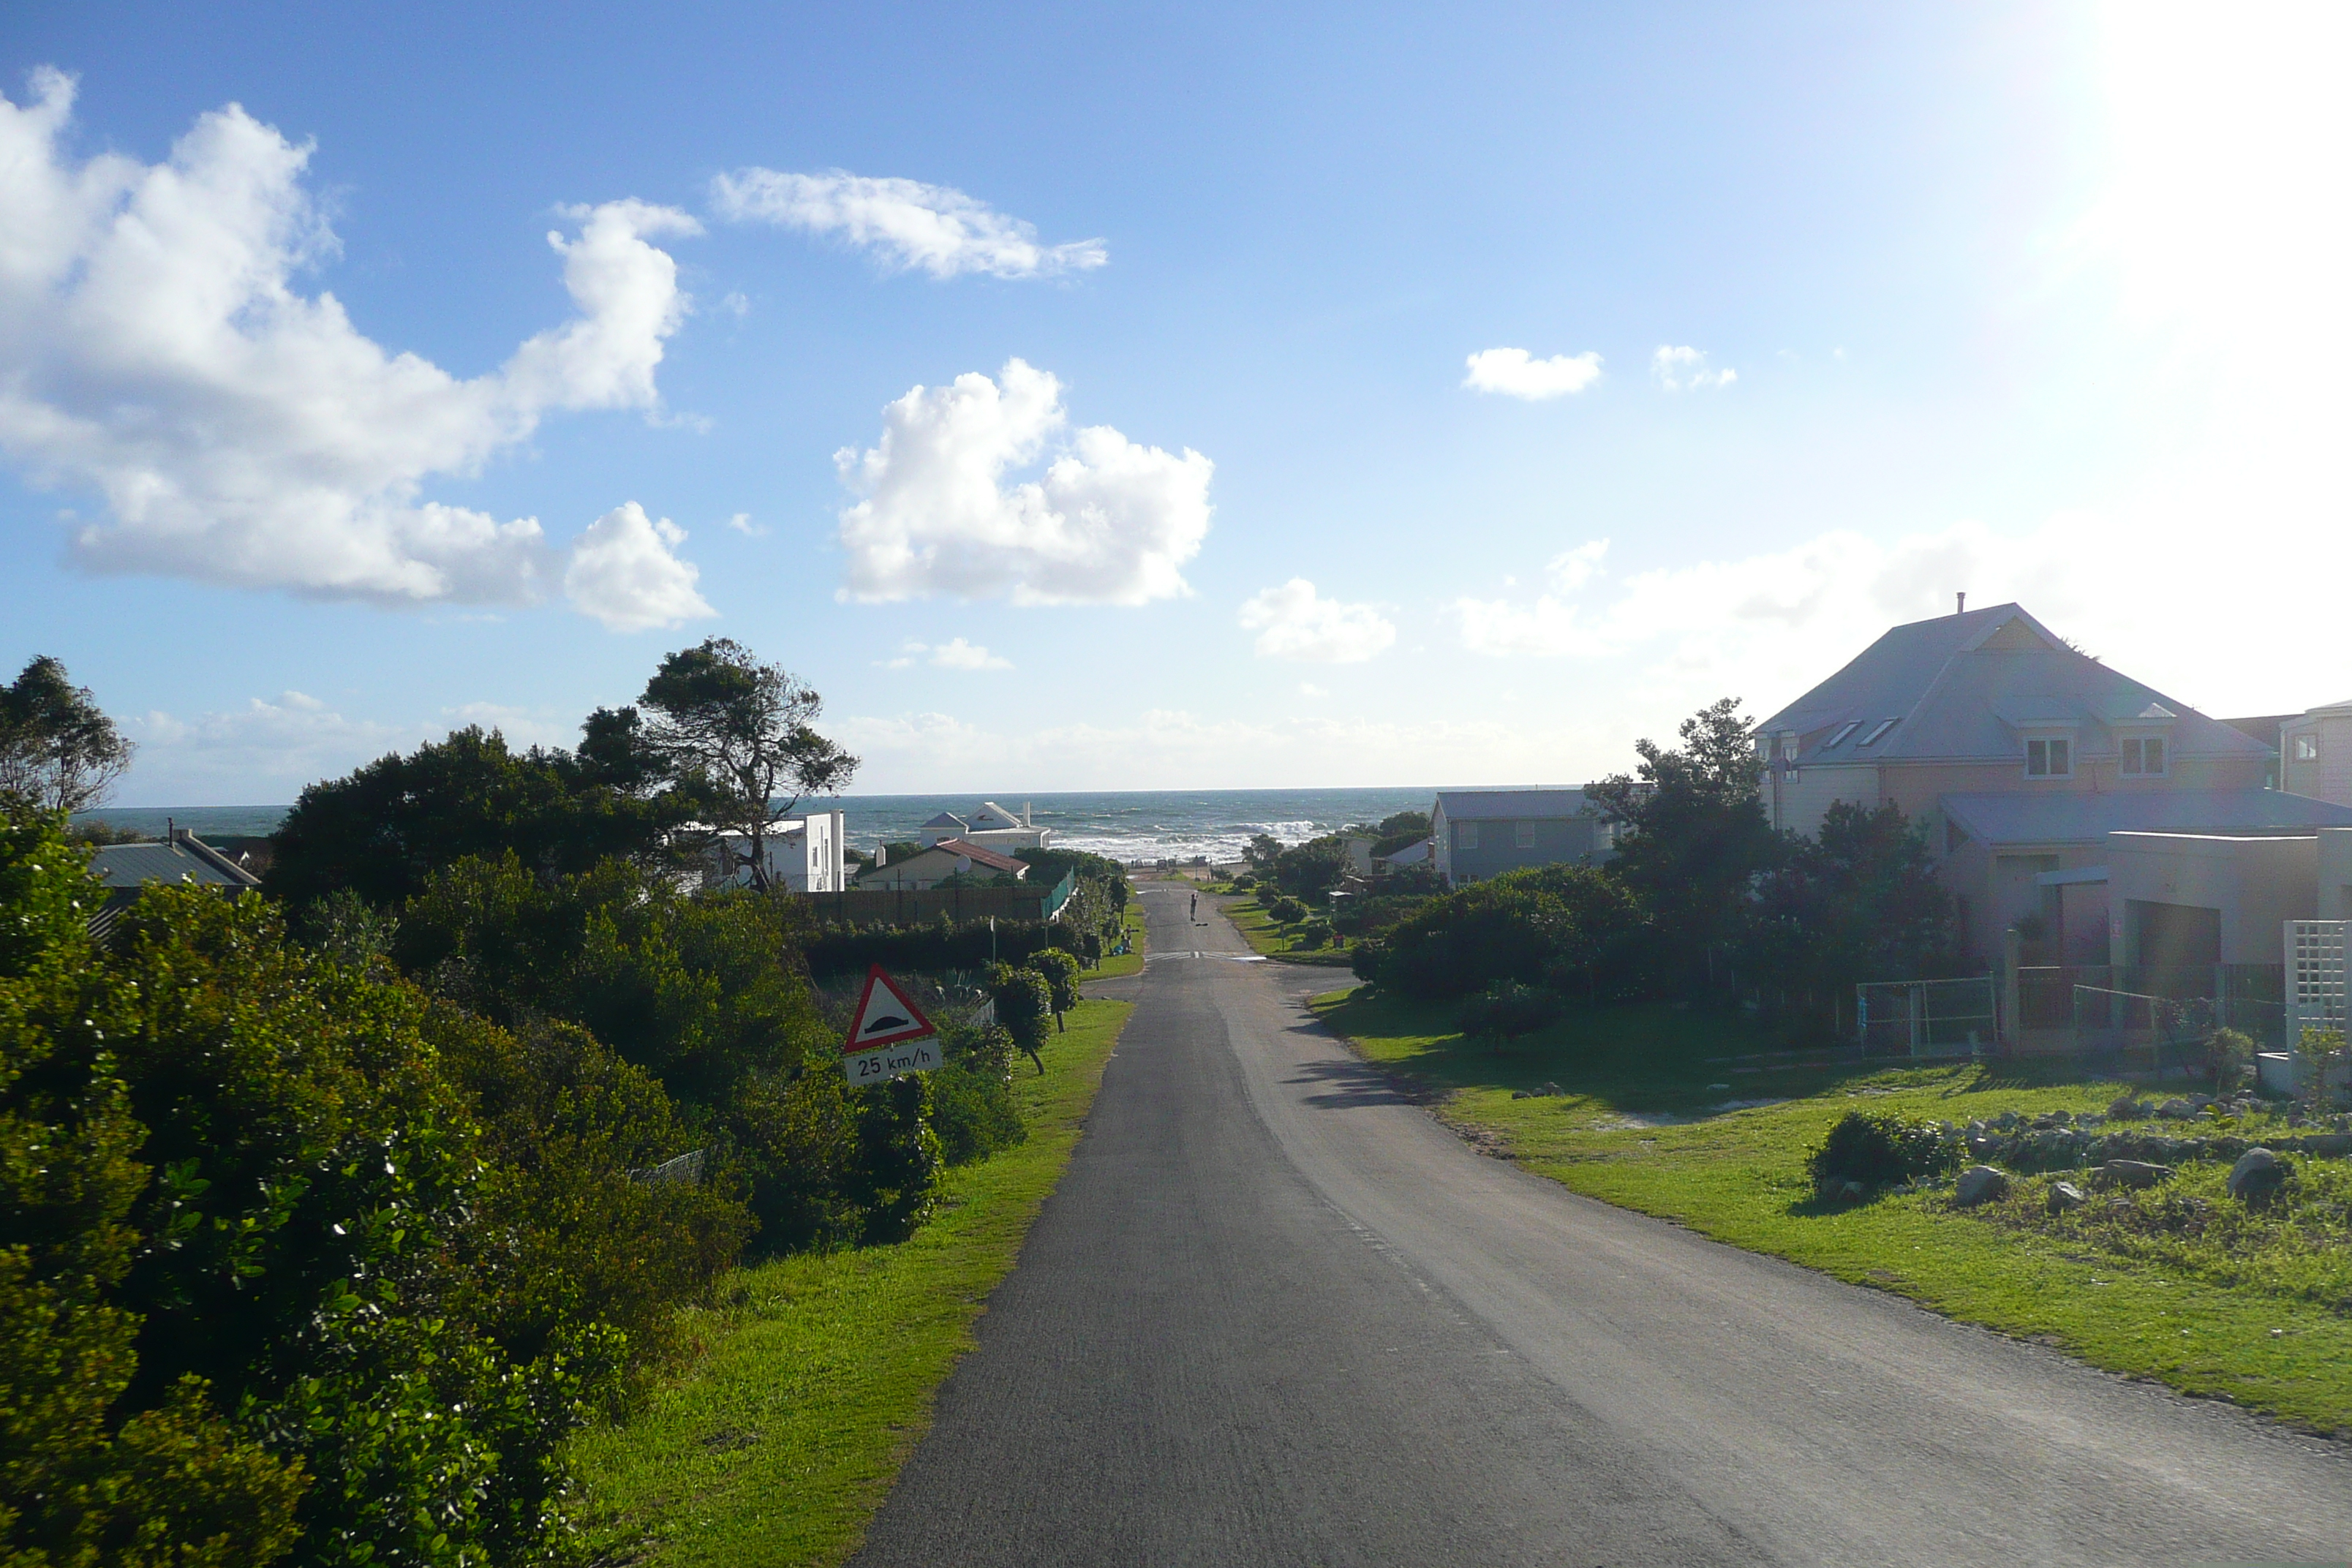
(1025, 1005)
(1879, 1151)
(1507, 1010)
(1547, 922)
(1314, 933)
(2230, 1057)
(972, 1107)
(1061, 973)
(1284, 909)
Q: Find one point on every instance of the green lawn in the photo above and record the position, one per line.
(1262, 932)
(815, 1375)
(2182, 1285)
(1127, 962)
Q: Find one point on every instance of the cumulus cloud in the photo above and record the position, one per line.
(741, 523)
(625, 573)
(957, 654)
(1293, 621)
(910, 226)
(1516, 373)
(1677, 368)
(156, 350)
(1108, 522)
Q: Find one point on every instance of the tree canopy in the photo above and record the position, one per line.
(57, 747)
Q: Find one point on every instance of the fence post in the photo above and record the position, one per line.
(2008, 1023)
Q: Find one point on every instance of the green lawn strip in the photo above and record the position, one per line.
(817, 1372)
(1126, 962)
(1263, 933)
(2193, 1314)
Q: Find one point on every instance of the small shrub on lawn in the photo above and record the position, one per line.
(1507, 1010)
(1314, 933)
(1879, 1151)
(1285, 910)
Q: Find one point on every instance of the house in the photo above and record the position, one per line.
(948, 858)
(1411, 856)
(992, 826)
(803, 855)
(2187, 900)
(2021, 755)
(1481, 832)
(182, 858)
(2315, 753)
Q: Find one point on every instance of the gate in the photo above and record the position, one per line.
(1924, 1018)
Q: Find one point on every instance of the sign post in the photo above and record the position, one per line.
(888, 1035)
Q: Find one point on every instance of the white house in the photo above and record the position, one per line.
(990, 826)
(803, 855)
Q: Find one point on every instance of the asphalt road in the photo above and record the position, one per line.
(1273, 1314)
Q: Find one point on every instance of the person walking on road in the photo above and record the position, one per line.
(1196, 908)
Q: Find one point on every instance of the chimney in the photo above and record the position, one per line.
(1962, 607)
(881, 854)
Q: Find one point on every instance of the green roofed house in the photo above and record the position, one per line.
(1475, 834)
(2023, 756)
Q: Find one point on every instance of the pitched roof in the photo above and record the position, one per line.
(2087, 817)
(1487, 804)
(947, 819)
(132, 866)
(2262, 727)
(1966, 686)
(979, 855)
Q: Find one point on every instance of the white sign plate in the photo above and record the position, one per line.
(886, 1062)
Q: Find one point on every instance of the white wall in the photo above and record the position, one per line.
(1806, 794)
(2256, 883)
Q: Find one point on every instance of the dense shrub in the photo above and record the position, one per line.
(2230, 1057)
(1374, 912)
(1024, 1003)
(972, 1109)
(932, 948)
(1549, 924)
(1880, 1150)
(273, 1288)
(1506, 1010)
(1061, 973)
(1285, 910)
(1314, 933)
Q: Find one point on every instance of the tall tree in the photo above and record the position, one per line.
(737, 735)
(1693, 836)
(57, 747)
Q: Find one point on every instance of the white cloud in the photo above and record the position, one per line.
(741, 523)
(1513, 373)
(909, 225)
(1677, 368)
(1572, 569)
(1293, 621)
(957, 654)
(1687, 368)
(155, 349)
(1309, 690)
(625, 573)
(1108, 522)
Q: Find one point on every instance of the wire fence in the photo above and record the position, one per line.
(1924, 1018)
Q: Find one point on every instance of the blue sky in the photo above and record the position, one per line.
(1821, 313)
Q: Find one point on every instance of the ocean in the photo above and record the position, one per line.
(1127, 825)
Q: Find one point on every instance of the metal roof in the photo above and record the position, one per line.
(1962, 687)
(2086, 816)
(131, 866)
(1487, 805)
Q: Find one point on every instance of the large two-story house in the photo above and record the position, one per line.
(2021, 755)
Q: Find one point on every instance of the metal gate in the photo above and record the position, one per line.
(1924, 1018)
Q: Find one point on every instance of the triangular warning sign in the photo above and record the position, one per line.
(884, 1017)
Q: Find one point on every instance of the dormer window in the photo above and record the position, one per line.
(2052, 758)
(2143, 756)
(1879, 733)
(1845, 732)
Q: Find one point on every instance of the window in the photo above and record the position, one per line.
(2306, 748)
(1845, 731)
(2143, 756)
(2050, 759)
(1880, 734)
(1466, 836)
(1523, 835)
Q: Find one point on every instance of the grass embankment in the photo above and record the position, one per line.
(2178, 1284)
(1276, 939)
(816, 1373)
(1111, 968)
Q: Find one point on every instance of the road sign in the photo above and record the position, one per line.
(888, 1034)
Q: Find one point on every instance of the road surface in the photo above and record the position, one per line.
(1275, 1314)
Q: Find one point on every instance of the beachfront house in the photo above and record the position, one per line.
(182, 860)
(929, 866)
(991, 827)
(1475, 834)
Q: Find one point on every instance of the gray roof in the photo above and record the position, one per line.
(132, 866)
(2087, 817)
(1964, 687)
(947, 819)
(1520, 805)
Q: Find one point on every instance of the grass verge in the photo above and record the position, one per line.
(1111, 968)
(816, 1373)
(1275, 940)
(2177, 1287)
